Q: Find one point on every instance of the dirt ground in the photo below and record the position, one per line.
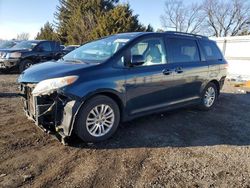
(182, 148)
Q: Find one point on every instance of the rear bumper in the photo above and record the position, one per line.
(53, 113)
(8, 63)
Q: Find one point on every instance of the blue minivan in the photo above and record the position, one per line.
(117, 78)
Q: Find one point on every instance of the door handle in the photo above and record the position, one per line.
(166, 72)
(179, 70)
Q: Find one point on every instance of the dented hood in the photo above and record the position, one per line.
(52, 69)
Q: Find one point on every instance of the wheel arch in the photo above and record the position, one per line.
(111, 94)
(204, 85)
(217, 84)
(20, 66)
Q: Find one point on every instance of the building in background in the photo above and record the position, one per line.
(236, 50)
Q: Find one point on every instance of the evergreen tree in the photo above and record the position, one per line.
(118, 20)
(79, 21)
(150, 28)
(47, 33)
(77, 18)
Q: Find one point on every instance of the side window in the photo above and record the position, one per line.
(210, 50)
(56, 46)
(53, 46)
(183, 50)
(45, 46)
(152, 50)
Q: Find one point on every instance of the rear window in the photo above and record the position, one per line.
(183, 50)
(210, 50)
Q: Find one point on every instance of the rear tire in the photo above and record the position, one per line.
(24, 65)
(98, 119)
(209, 97)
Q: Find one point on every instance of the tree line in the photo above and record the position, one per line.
(80, 21)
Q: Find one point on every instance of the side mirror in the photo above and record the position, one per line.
(137, 60)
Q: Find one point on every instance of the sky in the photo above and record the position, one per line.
(18, 16)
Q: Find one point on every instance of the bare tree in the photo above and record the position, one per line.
(23, 36)
(228, 18)
(181, 17)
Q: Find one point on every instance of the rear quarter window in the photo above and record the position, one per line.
(210, 50)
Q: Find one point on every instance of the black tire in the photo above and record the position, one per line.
(81, 126)
(203, 105)
(24, 65)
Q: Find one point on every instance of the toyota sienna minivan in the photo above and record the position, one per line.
(117, 78)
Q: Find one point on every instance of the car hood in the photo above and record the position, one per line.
(52, 69)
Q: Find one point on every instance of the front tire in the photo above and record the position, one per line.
(24, 65)
(98, 119)
(209, 97)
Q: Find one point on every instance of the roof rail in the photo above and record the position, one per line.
(186, 34)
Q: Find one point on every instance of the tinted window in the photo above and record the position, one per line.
(183, 50)
(45, 46)
(210, 50)
(152, 50)
(53, 46)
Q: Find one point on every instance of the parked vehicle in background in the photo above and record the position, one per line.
(70, 48)
(62, 47)
(27, 53)
(7, 44)
(121, 77)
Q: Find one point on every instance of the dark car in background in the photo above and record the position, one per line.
(27, 53)
(121, 77)
(8, 44)
(70, 48)
(4, 45)
(62, 47)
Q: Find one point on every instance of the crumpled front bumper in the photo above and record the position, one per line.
(54, 113)
(8, 63)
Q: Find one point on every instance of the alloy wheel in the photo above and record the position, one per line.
(100, 120)
(209, 97)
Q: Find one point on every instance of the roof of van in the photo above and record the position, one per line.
(136, 34)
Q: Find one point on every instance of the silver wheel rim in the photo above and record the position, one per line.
(100, 120)
(28, 65)
(209, 97)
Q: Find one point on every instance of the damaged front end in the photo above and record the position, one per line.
(54, 112)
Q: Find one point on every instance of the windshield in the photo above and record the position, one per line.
(25, 45)
(99, 50)
(7, 44)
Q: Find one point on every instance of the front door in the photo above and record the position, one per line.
(149, 86)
